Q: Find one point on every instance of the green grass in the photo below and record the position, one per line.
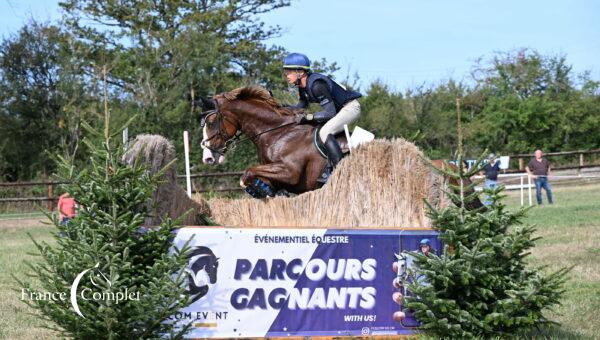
(571, 237)
(570, 231)
(16, 320)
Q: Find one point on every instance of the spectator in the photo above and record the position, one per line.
(66, 208)
(490, 171)
(539, 169)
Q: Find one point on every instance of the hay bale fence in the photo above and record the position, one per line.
(383, 184)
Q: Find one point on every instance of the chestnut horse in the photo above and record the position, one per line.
(286, 152)
(287, 155)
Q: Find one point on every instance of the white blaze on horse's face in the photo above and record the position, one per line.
(209, 157)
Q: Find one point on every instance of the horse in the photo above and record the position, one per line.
(289, 160)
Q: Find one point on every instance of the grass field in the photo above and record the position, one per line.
(571, 237)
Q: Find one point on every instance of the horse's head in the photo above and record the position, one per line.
(204, 264)
(208, 108)
(401, 263)
(216, 131)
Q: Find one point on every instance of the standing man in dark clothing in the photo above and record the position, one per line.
(490, 170)
(339, 105)
(539, 169)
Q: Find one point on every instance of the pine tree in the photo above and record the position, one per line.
(480, 286)
(106, 239)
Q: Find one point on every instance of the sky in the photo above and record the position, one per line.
(407, 43)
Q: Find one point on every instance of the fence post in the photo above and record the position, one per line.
(521, 166)
(50, 193)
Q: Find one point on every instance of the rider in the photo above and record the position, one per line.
(425, 247)
(339, 105)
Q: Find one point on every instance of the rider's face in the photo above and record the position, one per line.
(292, 76)
(425, 249)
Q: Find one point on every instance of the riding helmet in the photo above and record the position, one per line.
(296, 61)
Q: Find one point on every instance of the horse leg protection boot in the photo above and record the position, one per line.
(334, 152)
(260, 189)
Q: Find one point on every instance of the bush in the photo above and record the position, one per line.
(480, 285)
(105, 248)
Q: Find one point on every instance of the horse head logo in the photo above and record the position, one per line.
(401, 261)
(202, 271)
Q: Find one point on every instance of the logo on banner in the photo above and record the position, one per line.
(202, 271)
(99, 288)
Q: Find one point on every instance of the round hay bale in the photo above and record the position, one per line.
(383, 184)
(170, 200)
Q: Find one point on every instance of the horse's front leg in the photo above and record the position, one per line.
(270, 174)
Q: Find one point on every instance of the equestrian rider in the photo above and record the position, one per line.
(425, 247)
(339, 105)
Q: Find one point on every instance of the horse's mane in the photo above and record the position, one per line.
(258, 93)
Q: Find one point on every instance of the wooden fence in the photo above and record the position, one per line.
(581, 153)
(51, 197)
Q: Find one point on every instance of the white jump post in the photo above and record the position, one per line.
(522, 191)
(347, 132)
(125, 138)
(529, 189)
(186, 150)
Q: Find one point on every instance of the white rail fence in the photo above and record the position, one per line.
(526, 182)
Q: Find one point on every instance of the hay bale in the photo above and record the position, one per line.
(170, 200)
(381, 185)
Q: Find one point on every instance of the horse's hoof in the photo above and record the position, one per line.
(282, 192)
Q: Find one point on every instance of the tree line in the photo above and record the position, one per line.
(147, 61)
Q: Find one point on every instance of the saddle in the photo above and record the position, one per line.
(340, 137)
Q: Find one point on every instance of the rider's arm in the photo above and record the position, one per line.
(321, 92)
(302, 102)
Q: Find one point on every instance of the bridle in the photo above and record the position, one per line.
(231, 141)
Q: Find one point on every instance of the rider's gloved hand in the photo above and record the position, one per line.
(306, 118)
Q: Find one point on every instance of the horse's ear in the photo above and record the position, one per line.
(204, 104)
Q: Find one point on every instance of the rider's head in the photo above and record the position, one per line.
(296, 67)
(425, 246)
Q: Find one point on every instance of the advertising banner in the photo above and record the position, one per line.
(296, 282)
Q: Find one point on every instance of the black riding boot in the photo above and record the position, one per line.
(334, 155)
(334, 152)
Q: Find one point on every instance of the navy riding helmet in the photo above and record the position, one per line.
(296, 61)
(425, 242)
